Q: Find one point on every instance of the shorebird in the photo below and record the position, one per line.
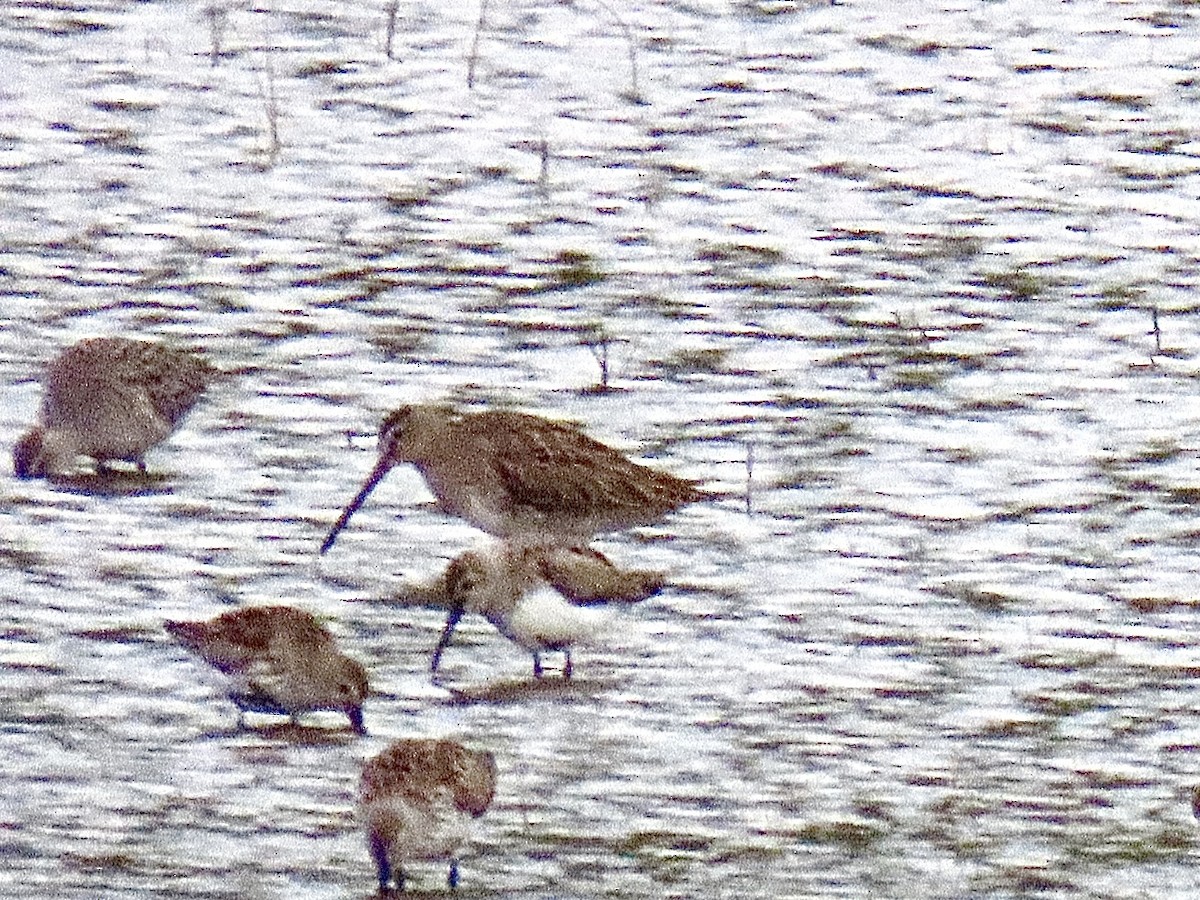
(109, 398)
(521, 478)
(417, 799)
(583, 575)
(281, 660)
(507, 585)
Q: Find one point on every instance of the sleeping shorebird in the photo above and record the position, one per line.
(417, 799)
(109, 398)
(508, 586)
(281, 660)
(521, 478)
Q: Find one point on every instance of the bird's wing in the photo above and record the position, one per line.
(172, 380)
(474, 781)
(584, 575)
(553, 467)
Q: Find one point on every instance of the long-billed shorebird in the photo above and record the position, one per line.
(521, 478)
(507, 585)
(109, 398)
(417, 799)
(280, 660)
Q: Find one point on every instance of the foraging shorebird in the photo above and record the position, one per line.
(521, 478)
(417, 799)
(281, 660)
(583, 575)
(109, 398)
(508, 586)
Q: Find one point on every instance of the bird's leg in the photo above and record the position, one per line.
(567, 664)
(456, 613)
(379, 854)
(452, 878)
(537, 664)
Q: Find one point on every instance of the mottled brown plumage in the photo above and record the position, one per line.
(280, 660)
(585, 575)
(417, 799)
(522, 478)
(111, 399)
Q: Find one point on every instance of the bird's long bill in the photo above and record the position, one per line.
(381, 469)
(456, 613)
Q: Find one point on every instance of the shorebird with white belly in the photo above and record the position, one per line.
(508, 586)
(418, 799)
(109, 398)
(521, 478)
(280, 660)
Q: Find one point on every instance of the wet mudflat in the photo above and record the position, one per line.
(933, 270)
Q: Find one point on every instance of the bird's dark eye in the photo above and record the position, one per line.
(393, 425)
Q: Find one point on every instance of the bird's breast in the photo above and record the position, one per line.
(542, 619)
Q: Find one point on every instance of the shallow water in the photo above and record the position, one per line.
(908, 263)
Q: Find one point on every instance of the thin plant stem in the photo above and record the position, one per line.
(474, 57)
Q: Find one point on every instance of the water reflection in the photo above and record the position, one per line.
(912, 263)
